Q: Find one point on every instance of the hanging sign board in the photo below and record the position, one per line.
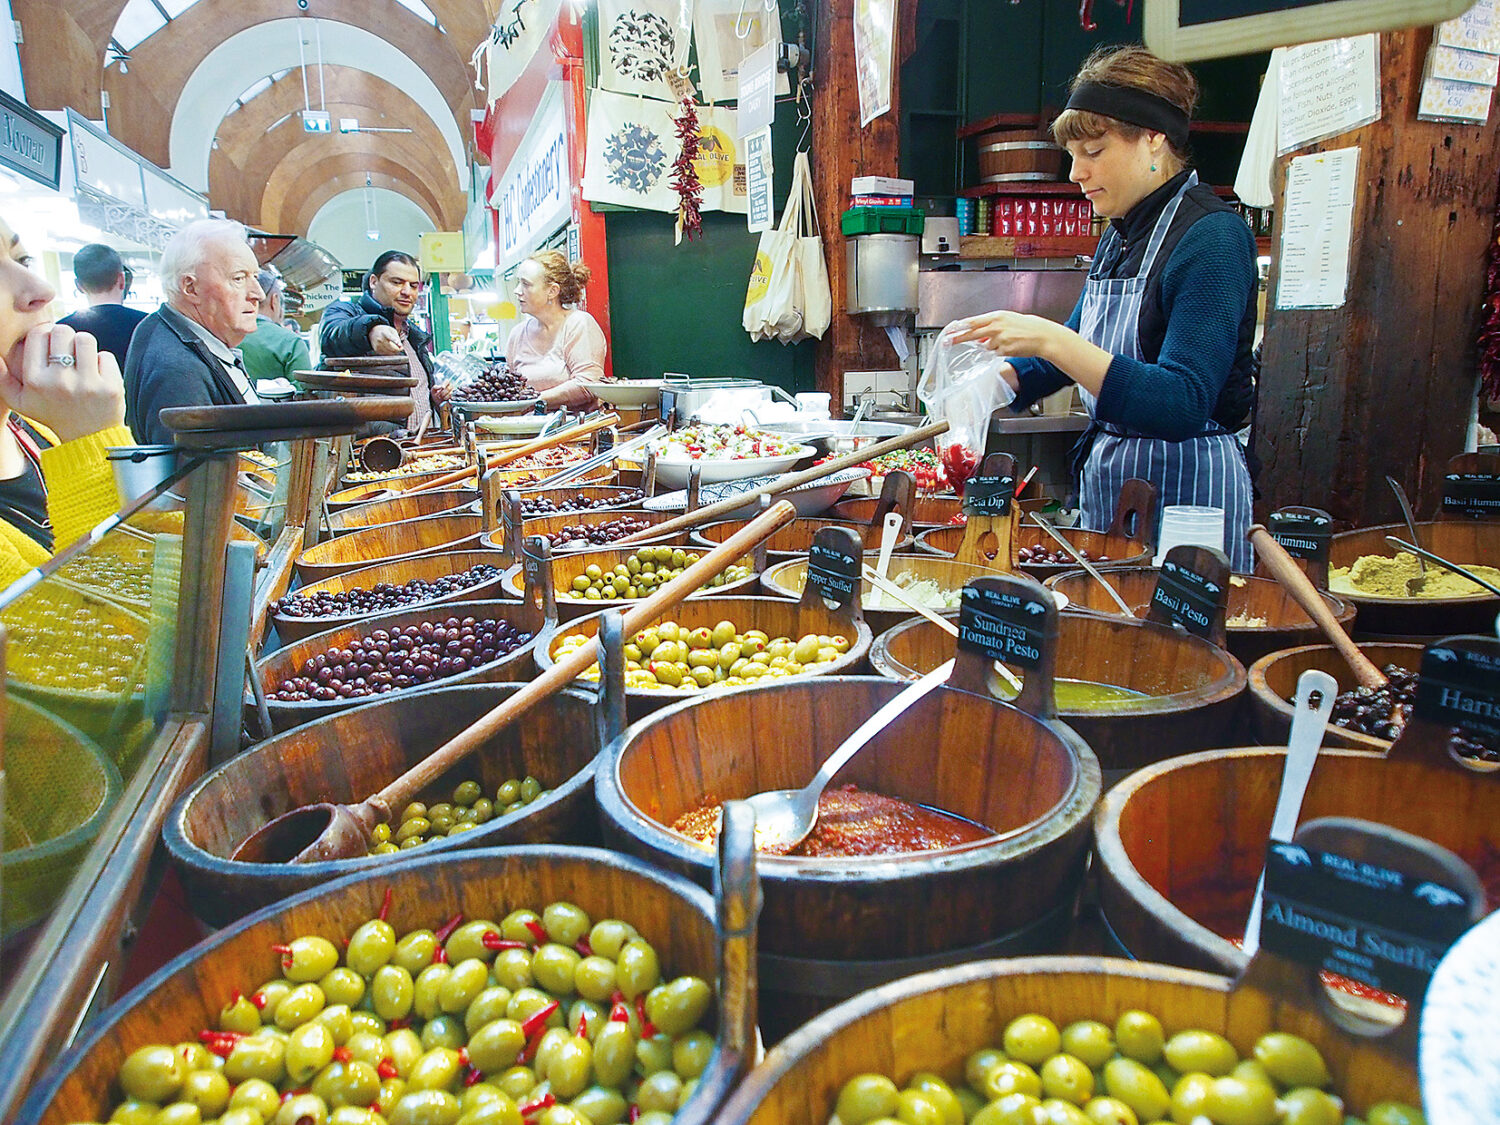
(324, 293)
(29, 143)
(520, 30)
(1185, 30)
(757, 105)
(534, 196)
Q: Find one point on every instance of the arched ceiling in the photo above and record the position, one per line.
(184, 82)
(339, 227)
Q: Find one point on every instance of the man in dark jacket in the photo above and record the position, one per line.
(377, 323)
(183, 353)
(105, 283)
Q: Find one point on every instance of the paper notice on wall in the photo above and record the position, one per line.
(874, 42)
(726, 32)
(1316, 230)
(760, 213)
(1328, 88)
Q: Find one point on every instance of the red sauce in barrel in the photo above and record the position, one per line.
(855, 822)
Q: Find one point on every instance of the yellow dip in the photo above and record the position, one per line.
(1381, 576)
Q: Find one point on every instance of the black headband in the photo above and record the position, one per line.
(1135, 107)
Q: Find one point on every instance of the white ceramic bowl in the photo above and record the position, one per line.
(673, 472)
(625, 392)
(518, 425)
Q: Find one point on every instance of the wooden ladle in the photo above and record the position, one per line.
(325, 831)
(1306, 595)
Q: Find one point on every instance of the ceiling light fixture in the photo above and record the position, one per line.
(372, 222)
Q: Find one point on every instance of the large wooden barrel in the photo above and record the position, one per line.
(1194, 686)
(1250, 599)
(558, 571)
(272, 670)
(345, 757)
(1273, 682)
(1398, 619)
(188, 994)
(1178, 893)
(551, 525)
(927, 510)
(429, 568)
(832, 927)
(1118, 548)
(388, 543)
(933, 1022)
(774, 616)
(786, 579)
(369, 491)
(793, 540)
(398, 509)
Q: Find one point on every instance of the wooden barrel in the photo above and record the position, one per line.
(832, 927)
(426, 567)
(347, 756)
(281, 665)
(1252, 598)
(935, 1021)
(361, 493)
(1398, 619)
(188, 994)
(785, 580)
(562, 568)
(1194, 686)
(1273, 681)
(1179, 895)
(776, 617)
(527, 479)
(615, 495)
(551, 525)
(1118, 548)
(926, 510)
(793, 540)
(398, 509)
(388, 543)
(1018, 155)
(414, 469)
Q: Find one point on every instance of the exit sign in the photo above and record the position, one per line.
(317, 121)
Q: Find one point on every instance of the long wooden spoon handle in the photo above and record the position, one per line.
(561, 437)
(563, 673)
(1296, 583)
(439, 482)
(722, 508)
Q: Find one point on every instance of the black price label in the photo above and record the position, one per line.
(510, 522)
(1359, 919)
(532, 561)
(1476, 495)
(1190, 599)
(1458, 687)
(1305, 533)
(1002, 625)
(834, 573)
(990, 494)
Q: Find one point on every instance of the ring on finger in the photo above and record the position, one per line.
(61, 360)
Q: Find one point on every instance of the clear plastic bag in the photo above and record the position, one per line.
(962, 385)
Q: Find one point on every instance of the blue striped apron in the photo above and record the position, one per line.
(1208, 469)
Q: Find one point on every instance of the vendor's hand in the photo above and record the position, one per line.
(442, 393)
(66, 383)
(571, 394)
(385, 340)
(1011, 333)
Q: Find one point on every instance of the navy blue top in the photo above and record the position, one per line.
(1197, 321)
(111, 325)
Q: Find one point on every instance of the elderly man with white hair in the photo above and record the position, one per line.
(183, 353)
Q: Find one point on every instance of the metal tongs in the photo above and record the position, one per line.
(562, 476)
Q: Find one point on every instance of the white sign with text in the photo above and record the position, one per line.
(534, 197)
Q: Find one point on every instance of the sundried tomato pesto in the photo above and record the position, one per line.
(854, 822)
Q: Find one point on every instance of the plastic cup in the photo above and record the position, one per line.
(1191, 524)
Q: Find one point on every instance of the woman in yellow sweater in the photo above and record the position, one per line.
(62, 402)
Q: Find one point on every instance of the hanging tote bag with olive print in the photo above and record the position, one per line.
(771, 310)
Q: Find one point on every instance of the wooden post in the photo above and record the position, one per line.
(840, 151)
(1384, 384)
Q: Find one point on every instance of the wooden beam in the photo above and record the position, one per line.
(1384, 384)
(841, 151)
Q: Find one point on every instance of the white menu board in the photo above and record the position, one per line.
(1316, 229)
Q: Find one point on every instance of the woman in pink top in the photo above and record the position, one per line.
(555, 347)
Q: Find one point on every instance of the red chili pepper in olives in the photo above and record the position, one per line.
(386, 1068)
(532, 1108)
(448, 927)
(385, 906)
(493, 941)
(220, 1043)
(648, 1029)
(619, 1013)
(583, 947)
(538, 931)
(537, 1021)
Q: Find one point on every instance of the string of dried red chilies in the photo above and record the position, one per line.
(1489, 328)
(685, 171)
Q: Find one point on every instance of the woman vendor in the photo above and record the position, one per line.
(555, 347)
(55, 484)
(1160, 341)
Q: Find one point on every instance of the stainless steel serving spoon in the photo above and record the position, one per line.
(1461, 571)
(1406, 514)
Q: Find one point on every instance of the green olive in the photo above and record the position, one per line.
(481, 1093)
(1249, 1070)
(256, 1094)
(364, 1018)
(269, 995)
(391, 1091)
(517, 924)
(463, 985)
(1394, 1113)
(562, 1115)
(347, 1084)
(152, 1074)
(1109, 1111)
(691, 1052)
(1013, 1109)
(1089, 1040)
(1234, 1101)
(302, 1109)
(1067, 1078)
(570, 1067)
(308, 959)
(1291, 1060)
(980, 1063)
(654, 1117)
(403, 1047)
(239, 1015)
(342, 985)
(1200, 1050)
(300, 1005)
(425, 1107)
(554, 965)
(1139, 1036)
(526, 1002)
(1031, 1039)
(393, 992)
(206, 1089)
(653, 1054)
(308, 1050)
(500, 1112)
(661, 1089)
(512, 969)
(1137, 1086)
(365, 1046)
(416, 808)
(637, 969)
(517, 1082)
(1307, 1106)
(1056, 1111)
(467, 792)
(178, 1113)
(592, 1016)
(435, 1070)
(487, 1007)
(614, 1054)
(601, 1105)
(350, 1115)
(414, 951)
(443, 1031)
(496, 1045)
(594, 977)
(256, 1056)
(508, 793)
(338, 1020)
(427, 989)
(467, 942)
(552, 1040)
(240, 1117)
(938, 1092)
(134, 1112)
(676, 1007)
(1010, 1077)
